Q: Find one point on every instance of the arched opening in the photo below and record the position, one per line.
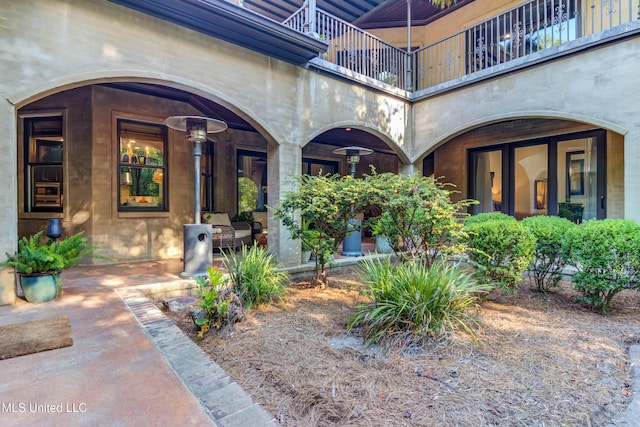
(531, 166)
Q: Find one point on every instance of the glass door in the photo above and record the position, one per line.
(581, 179)
(531, 179)
(486, 182)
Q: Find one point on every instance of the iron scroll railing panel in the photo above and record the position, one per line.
(517, 32)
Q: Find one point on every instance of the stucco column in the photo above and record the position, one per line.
(410, 169)
(284, 161)
(8, 197)
(631, 173)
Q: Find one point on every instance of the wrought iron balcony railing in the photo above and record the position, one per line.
(530, 27)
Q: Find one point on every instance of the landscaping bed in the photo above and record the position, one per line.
(542, 359)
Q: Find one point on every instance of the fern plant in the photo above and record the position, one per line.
(36, 254)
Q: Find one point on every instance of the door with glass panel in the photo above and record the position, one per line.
(531, 180)
(581, 177)
(486, 181)
(563, 176)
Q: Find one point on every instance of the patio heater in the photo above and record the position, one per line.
(198, 249)
(352, 243)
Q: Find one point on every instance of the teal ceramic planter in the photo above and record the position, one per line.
(40, 287)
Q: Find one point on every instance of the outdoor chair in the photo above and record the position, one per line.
(227, 234)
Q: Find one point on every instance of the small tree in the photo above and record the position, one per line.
(418, 216)
(606, 254)
(318, 213)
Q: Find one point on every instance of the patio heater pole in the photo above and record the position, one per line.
(352, 243)
(198, 250)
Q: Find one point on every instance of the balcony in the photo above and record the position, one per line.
(532, 32)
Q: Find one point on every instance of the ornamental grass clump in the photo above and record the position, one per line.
(549, 259)
(255, 275)
(411, 301)
(500, 250)
(606, 254)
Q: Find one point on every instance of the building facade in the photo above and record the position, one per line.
(88, 84)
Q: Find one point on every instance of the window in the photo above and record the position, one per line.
(142, 166)
(319, 167)
(44, 164)
(252, 181)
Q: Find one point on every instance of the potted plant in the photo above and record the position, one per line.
(381, 228)
(39, 261)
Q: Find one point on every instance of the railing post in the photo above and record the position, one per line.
(310, 18)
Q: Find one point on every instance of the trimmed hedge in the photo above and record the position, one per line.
(606, 254)
(549, 262)
(500, 250)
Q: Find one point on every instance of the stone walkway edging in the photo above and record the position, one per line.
(222, 398)
(630, 417)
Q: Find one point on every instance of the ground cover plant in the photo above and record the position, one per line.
(541, 359)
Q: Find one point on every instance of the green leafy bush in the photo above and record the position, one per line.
(322, 204)
(417, 215)
(606, 254)
(255, 275)
(412, 301)
(487, 216)
(500, 250)
(549, 261)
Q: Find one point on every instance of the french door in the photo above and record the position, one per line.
(563, 175)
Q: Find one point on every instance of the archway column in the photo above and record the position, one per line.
(8, 197)
(410, 169)
(284, 161)
(631, 173)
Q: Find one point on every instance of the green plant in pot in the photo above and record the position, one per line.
(39, 261)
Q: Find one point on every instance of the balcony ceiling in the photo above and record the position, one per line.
(338, 137)
(365, 14)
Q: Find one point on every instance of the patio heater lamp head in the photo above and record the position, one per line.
(353, 153)
(196, 127)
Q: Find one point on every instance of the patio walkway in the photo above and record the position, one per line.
(115, 374)
(128, 366)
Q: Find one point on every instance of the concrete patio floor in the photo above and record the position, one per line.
(114, 374)
(128, 365)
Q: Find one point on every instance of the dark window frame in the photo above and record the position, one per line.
(163, 206)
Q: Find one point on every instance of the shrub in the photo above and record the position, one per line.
(254, 275)
(326, 203)
(418, 216)
(500, 250)
(487, 216)
(606, 254)
(549, 262)
(415, 300)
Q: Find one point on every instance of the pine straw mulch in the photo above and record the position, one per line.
(542, 360)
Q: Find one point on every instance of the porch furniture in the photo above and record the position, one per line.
(228, 235)
(260, 230)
